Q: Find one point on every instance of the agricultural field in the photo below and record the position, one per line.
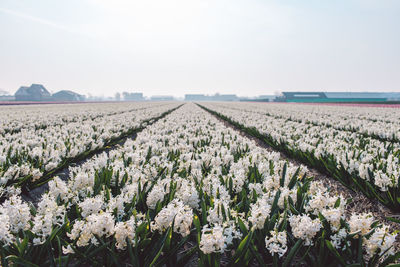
(207, 184)
(357, 146)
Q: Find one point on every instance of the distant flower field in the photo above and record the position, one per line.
(180, 184)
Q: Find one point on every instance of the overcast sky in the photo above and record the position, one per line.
(244, 47)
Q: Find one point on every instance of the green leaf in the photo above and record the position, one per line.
(257, 255)
(141, 229)
(242, 248)
(114, 257)
(242, 226)
(186, 257)
(196, 223)
(334, 252)
(22, 245)
(275, 203)
(21, 261)
(160, 250)
(360, 251)
(167, 243)
(392, 219)
(293, 181)
(337, 203)
(134, 260)
(292, 253)
(172, 252)
(282, 182)
(391, 259)
(271, 222)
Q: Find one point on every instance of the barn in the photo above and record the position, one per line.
(339, 97)
(36, 92)
(66, 95)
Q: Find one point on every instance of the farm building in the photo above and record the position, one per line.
(337, 97)
(66, 95)
(196, 97)
(133, 96)
(36, 92)
(216, 97)
(162, 98)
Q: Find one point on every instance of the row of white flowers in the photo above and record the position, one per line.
(31, 117)
(188, 170)
(32, 151)
(371, 159)
(377, 122)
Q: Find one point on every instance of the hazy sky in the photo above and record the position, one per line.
(245, 47)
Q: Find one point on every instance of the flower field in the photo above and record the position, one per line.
(358, 147)
(189, 190)
(35, 141)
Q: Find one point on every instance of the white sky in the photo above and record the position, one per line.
(244, 47)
